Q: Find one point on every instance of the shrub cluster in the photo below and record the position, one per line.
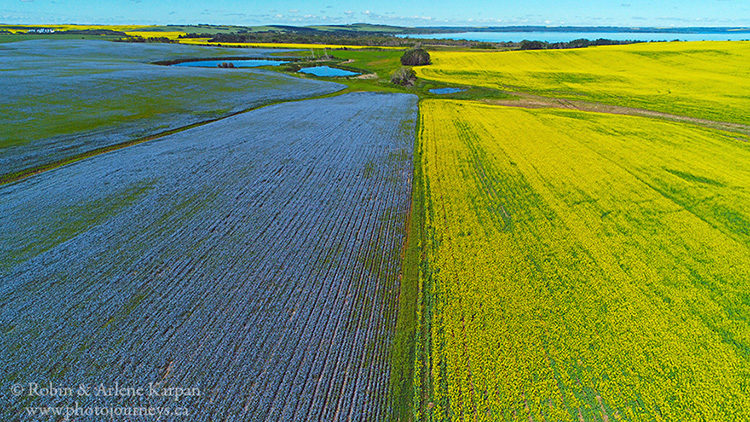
(415, 57)
(404, 77)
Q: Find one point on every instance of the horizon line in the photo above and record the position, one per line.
(631, 27)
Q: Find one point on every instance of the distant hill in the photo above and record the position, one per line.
(388, 29)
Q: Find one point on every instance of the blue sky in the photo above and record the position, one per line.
(402, 12)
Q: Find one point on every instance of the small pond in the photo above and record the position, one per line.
(236, 63)
(446, 90)
(327, 71)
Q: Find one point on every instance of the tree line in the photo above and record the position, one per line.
(579, 43)
(381, 40)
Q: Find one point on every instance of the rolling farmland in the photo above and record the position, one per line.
(256, 234)
(62, 98)
(707, 80)
(205, 41)
(582, 266)
(255, 258)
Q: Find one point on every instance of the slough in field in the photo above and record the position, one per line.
(255, 258)
(582, 266)
(63, 98)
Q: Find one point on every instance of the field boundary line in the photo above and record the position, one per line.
(526, 100)
(404, 343)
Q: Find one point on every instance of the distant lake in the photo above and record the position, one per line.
(236, 63)
(570, 36)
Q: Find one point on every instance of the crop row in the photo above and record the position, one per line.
(255, 258)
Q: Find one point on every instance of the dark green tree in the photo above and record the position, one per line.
(415, 57)
(533, 45)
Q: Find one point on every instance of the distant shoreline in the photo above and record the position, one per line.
(634, 30)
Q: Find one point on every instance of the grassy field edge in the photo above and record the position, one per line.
(405, 338)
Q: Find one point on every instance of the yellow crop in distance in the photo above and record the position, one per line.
(132, 30)
(709, 80)
(122, 28)
(583, 265)
(157, 32)
(172, 35)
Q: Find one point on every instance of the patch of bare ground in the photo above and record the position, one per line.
(605, 416)
(535, 101)
(367, 76)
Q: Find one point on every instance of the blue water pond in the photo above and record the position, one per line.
(446, 90)
(327, 71)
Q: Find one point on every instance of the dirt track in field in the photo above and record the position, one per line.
(535, 101)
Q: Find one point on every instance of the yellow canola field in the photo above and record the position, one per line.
(709, 80)
(582, 266)
(172, 35)
(123, 28)
(132, 30)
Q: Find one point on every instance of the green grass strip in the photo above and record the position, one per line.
(404, 341)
